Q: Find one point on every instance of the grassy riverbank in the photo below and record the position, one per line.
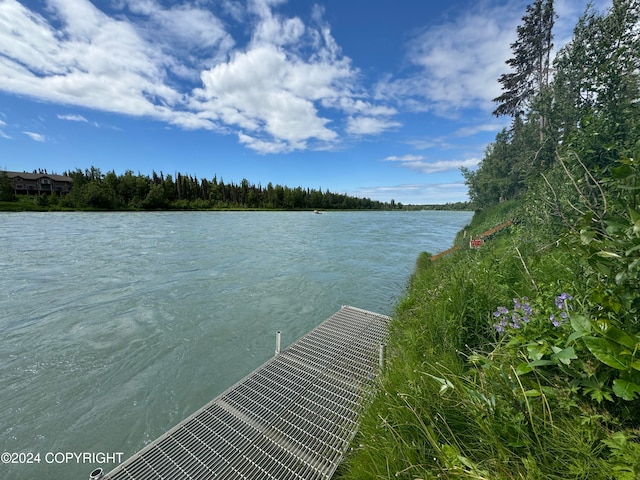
(521, 359)
(544, 391)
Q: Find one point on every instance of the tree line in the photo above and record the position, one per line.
(94, 189)
(578, 110)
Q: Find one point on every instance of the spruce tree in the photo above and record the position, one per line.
(530, 63)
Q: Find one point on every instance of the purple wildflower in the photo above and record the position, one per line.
(500, 325)
(520, 314)
(561, 300)
(500, 314)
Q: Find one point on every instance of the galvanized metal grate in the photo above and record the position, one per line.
(292, 418)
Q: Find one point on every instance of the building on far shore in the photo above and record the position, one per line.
(39, 183)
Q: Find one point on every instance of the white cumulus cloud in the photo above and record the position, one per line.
(458, 61)
(262, 91)
(281, 91)
(369, 125)
(92, 60)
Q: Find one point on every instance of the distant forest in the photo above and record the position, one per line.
(92, 189)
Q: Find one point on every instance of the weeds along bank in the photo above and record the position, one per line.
(521, 360)
(516, 360)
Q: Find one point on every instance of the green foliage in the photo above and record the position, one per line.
(493, 182)
(484, 220)
(625, 455)
(552, 395)
(495, 370)
(590, 106)
(94, 190)
(548, 385)
(6, 192)
(522, 359)
(608, 236)
(530, 62)
(598, 83)
(443, 408)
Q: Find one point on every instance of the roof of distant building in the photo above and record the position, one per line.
(36, 176)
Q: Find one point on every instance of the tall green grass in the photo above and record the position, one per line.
(455, 400)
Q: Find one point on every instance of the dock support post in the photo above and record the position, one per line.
(381, 356)
(278, 335)
(97, 474)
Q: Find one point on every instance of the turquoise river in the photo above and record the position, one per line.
(116, 326)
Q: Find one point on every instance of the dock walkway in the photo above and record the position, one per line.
(292, 418)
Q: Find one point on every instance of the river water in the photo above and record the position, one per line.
(116, 326)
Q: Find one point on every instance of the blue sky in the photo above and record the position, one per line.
(379, 99)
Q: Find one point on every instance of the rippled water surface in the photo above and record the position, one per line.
(116, 326)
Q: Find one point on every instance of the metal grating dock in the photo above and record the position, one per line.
(292, 418)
